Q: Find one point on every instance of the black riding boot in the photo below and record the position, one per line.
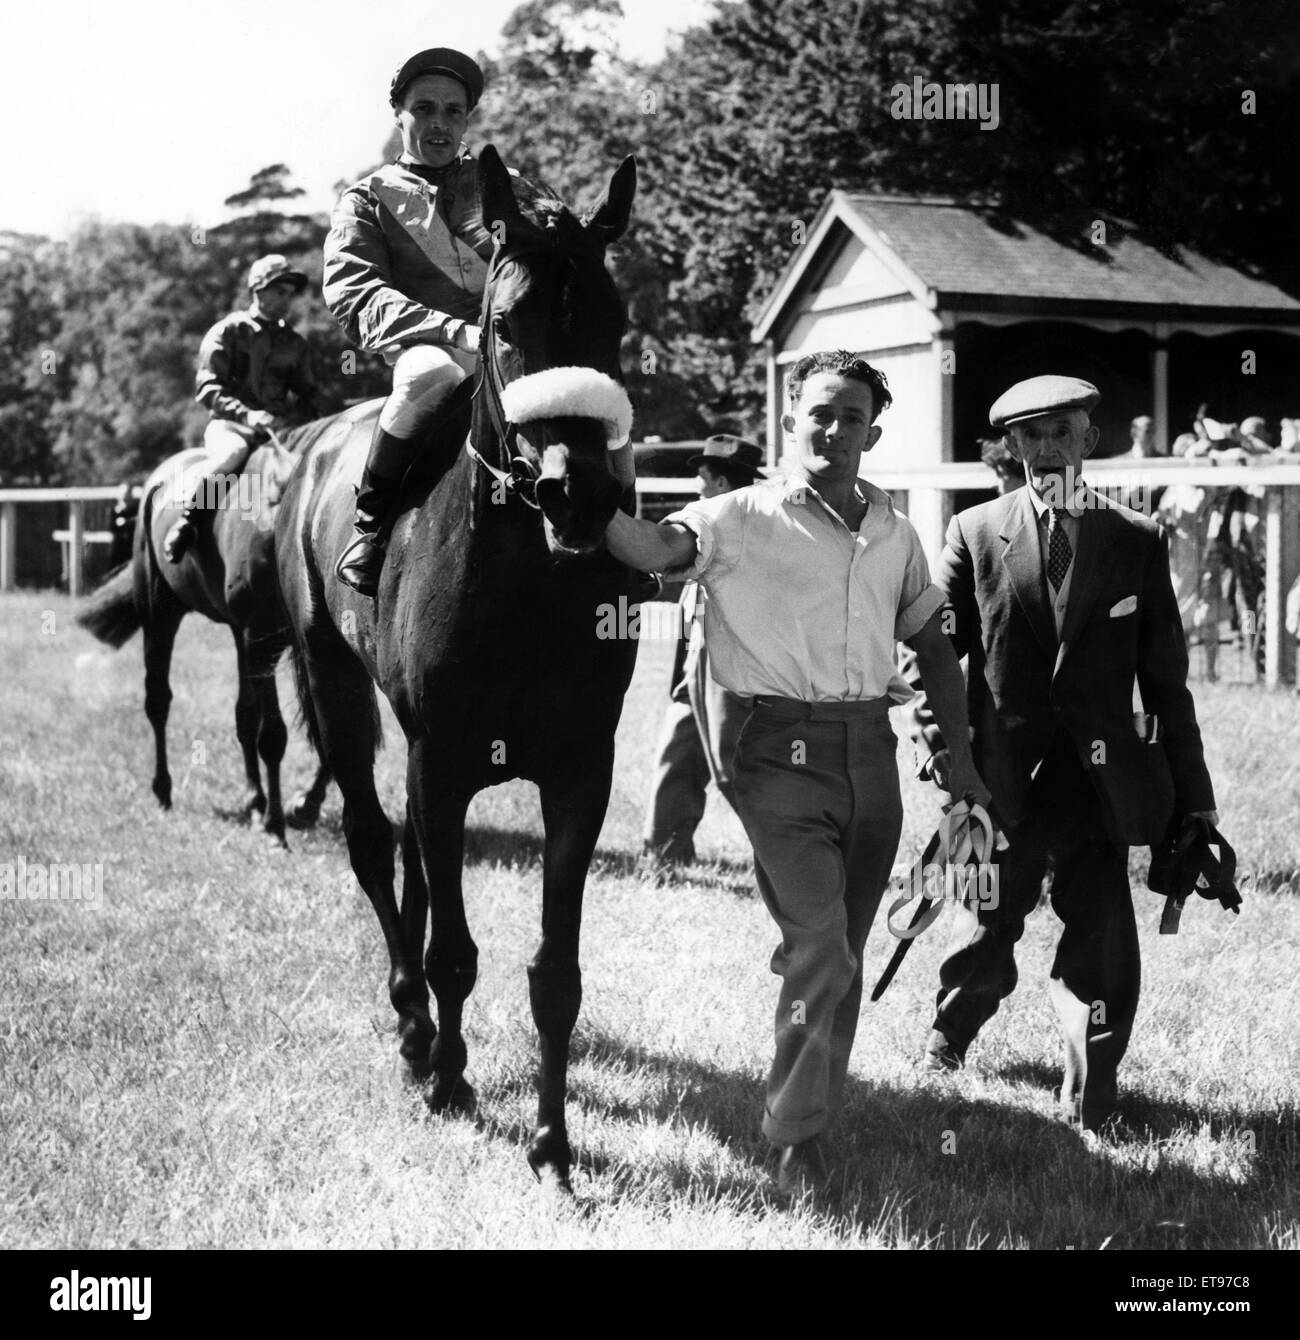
(381, 484)
(182, 534)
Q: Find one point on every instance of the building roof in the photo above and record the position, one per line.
(955, 254)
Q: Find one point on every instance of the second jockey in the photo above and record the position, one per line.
(254, 376)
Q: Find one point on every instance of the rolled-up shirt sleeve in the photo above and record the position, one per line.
(717, 526)
(919, 599)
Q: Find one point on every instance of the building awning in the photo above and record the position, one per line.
(964, 257)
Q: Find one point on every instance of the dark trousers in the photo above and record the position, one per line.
(816, 787)
(1061, 848)
(697, 742)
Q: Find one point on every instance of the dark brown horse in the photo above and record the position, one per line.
(229, 575)
(485, 636)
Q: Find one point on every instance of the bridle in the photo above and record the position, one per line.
(519, 476)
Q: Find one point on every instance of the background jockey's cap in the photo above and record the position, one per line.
(1042, 395)
(735, 453)
(439, 60)
(273, 269)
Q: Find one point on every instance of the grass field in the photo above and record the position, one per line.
(208, 1059)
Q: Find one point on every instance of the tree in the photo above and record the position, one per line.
(1127, 112)
(560, 68)
(29, 325)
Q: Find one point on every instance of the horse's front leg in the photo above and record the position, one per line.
(435, 818)
(573, 809)
(160, 627)
(246, 722)
(272, 737)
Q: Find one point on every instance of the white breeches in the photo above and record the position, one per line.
(424, 375)
(227, 446)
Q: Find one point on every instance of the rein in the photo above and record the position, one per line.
(519, 477)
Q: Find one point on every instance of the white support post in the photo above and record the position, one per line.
(1160, 388)
(774, 406)
(1281, 565)
(76, 528)
(8, 545)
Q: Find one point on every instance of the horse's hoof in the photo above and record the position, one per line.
(552, 1181)
(163, 794)
(254, 804)
(417, 1065)
(456, 1098)
(550, 1158)
(300, 812)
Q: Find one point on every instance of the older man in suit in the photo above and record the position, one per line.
(1062, 601)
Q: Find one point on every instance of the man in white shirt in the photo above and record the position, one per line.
(811, 581)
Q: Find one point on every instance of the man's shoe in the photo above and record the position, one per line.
(179, 539)
(361, 563)
(801, 1169)
(941, 1055)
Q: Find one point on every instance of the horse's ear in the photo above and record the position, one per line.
(495, 191)
(609, 218)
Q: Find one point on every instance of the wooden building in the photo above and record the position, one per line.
(955, 302)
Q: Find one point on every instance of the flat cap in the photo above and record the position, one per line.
(734, 452)
(274, 269)
(1042, 395)
(439, 60)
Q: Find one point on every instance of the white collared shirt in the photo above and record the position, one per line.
(800, 606)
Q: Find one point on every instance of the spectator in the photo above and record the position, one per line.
(702, 723)
(995, 454)
(1142, 442)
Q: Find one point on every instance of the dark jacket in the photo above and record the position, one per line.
(1022, 687)
(246, 364)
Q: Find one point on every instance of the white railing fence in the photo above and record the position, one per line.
(926, 494)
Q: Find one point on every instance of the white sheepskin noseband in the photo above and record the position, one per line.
(581, 393)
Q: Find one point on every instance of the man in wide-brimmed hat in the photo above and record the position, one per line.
(254, 376)
(697, 741)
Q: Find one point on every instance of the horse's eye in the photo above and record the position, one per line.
(502, 328)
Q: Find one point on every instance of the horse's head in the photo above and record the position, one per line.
(552, 325)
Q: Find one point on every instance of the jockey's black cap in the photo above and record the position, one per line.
(439, 60)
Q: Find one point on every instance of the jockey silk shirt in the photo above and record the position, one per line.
(800, 606)
(249, 363)
(405, 261)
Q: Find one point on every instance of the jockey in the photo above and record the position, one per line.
(406, 264)
(254, 373)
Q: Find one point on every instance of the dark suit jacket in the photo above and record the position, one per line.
(1022, 686)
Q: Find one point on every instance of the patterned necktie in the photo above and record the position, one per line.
(1059, 552)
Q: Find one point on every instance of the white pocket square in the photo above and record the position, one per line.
(1125, 606)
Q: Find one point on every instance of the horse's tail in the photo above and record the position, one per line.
(110, 612)
(307, 717)
(306, 708)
